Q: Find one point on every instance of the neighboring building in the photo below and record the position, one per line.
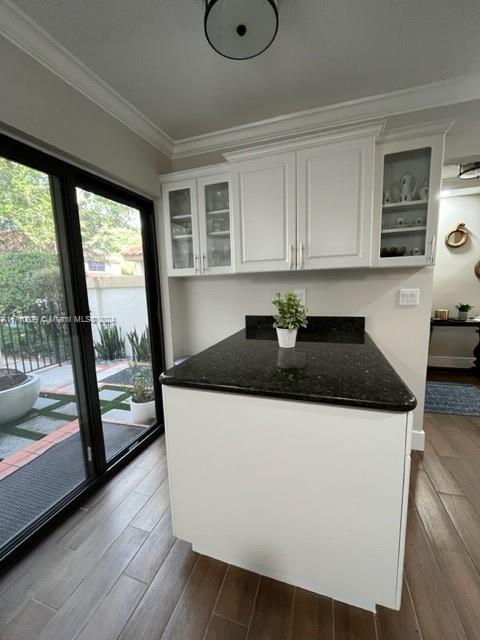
(133, 257)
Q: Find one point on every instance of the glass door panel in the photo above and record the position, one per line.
(217, 208)
(406, 180)
(180, 207)
(115, 276)
(41, 439)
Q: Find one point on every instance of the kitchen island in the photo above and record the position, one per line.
(294, 463)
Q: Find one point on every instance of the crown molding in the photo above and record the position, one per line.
(198, 172)
(17, 27)
(436, 94)
(372, 129)
(437, 127)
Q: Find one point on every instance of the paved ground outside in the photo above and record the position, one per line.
(55, 413)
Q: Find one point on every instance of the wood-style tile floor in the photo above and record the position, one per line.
(114, 571)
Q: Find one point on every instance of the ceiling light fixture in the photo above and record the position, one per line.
(469, 170)
(240, 29)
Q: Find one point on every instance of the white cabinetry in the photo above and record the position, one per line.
(407, 190)
(335, 200)
(294, 518)
(343, 199)
(309, 207)
(181, 227)
(198, 224)
(265, 221)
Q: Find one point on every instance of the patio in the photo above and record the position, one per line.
(41, 458)
(54, 416)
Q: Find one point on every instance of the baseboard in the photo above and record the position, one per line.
(450, 362)
(418, 440)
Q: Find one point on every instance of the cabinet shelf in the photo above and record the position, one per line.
(403, 230)
(407, 204)
(216, 212)
(219, 233)
(182, 236)
(183, 216)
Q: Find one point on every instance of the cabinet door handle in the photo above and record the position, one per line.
(204, 263)
(432, 250)
(196, 267)
(291, 255)
(300, 255)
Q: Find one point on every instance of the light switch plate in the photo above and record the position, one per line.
(302, 294)
(409, 297)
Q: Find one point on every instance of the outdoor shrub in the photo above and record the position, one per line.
(142, 389)
(140, 345)
(111, 345)
(25, 277)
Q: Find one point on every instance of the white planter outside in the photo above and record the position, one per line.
(286, 338)
(463, 315)
(142, 412)
(17, 401)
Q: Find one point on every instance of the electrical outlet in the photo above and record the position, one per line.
(409, 297)
(302, 294)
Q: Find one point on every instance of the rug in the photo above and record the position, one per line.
(449, 397)
(33, 489)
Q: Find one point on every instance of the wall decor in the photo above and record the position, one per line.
(477, 269)
(457, 237)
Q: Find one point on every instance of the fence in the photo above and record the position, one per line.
(35, 339)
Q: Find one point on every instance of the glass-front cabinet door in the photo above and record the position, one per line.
(409, 182)
(181, 221)
(215, 218)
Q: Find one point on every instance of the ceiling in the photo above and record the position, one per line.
(154, 54)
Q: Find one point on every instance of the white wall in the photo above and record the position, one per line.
(121, 298)
(454, 281)
(39, 104)
(209, 309)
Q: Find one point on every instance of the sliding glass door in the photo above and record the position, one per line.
(42, 451)
(113, 255)
(81, 346)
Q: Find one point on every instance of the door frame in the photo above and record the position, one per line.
(64, 178)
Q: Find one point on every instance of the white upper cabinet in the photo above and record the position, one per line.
(181, 227)
(334, 204)
(265, 220)
(215, 220)
(198, 224)
(407, 190)
(350, 197)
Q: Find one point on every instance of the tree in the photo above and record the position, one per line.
(107, 226)
(29, 267)
(26, 214)
(25, 207)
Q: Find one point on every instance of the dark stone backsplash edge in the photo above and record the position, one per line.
(318, 328)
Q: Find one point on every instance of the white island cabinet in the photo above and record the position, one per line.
(309, 494)
(300, 480)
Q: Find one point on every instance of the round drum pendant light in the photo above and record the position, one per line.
(240, 29)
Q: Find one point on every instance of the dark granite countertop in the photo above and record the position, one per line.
(335, 364)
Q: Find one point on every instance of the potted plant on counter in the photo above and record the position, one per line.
(142, 402)
(463, 310)
(291, 314)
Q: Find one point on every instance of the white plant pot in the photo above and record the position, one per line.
(17, 401)
(287, 338)
(463, 315)
(142, 412)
